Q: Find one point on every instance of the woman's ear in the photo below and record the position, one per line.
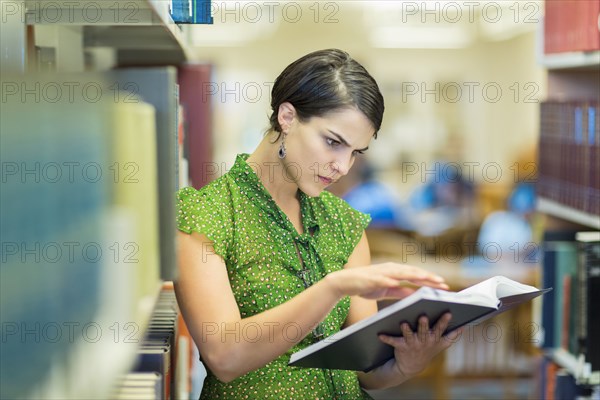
(286, 115)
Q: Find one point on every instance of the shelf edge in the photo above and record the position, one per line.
(571, 214)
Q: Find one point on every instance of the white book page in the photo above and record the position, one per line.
(475, 297)
(498, 287)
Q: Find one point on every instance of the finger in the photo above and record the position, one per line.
(394, 341)
(391, 283)
(432, 284)
(442, 324)
(408, 272)
(423, 330)
(407, 333)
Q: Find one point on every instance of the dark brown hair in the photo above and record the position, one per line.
(325, 81)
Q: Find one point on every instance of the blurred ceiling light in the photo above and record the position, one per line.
(445, 24)
(231, 35)
(516, 19)
(420, 37)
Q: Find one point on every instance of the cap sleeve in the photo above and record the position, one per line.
(351, 222)
(354, 223)
(204, 211)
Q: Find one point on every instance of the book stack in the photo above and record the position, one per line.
(569, 156)
(163, 357)
(571, 264)
(571, 26)
(140, 386)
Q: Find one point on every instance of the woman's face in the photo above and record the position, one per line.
(323, 149)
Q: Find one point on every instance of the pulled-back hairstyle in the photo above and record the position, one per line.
(325, 81)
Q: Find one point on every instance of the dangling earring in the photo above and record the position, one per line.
(281, 151)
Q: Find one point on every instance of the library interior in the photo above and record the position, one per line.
(486, 164)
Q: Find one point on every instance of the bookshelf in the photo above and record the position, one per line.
(94, 172)
(568, 49)
(142, 32)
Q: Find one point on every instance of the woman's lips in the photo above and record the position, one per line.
(327, 181)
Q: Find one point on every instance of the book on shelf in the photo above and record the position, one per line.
(571, 264)
(196, 98)
(91, 194)
(569, 156)
(588, 276)
(139, 385)
(135, 189)
(555, 382)
(158, 86)
(358, 347)
(191, 11)
(157, 350)
(571, 26)
(554, 245)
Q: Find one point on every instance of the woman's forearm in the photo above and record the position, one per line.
(235, 348)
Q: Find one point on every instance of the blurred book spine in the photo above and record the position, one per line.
(569, 156)
(191, 11)
(162, 364)
(571, 265)
(571, 26)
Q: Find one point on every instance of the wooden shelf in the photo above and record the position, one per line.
(142, 31)
(570, 214)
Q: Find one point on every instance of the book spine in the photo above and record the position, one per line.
(566, 311)
(593, 27)
(566, 262)
(582, 278)
(593, 146)
(571, 26)
(197, 95)
(551, 370)
(591, 257)
(548, 304)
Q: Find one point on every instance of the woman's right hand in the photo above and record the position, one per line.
(384, 280)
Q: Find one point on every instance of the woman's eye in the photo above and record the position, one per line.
(331, 142)
(355, 152)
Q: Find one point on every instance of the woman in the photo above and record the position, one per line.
(269, 262)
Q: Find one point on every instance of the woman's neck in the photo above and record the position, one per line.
(271, 172)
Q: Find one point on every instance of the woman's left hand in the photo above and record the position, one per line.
(413, 351)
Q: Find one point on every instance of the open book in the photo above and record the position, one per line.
(358, 347)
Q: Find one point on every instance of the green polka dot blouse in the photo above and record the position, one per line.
(260, 247)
